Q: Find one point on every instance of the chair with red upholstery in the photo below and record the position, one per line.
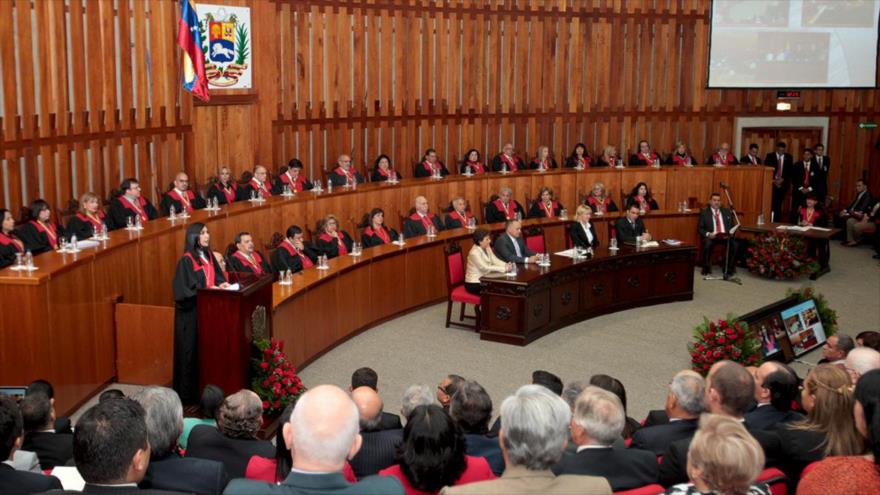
(455, 269)
(654, 489)
(775, 479)
(534, 237)
(809, 468)
(568, 242)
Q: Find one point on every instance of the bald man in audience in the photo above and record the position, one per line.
(258, 187)
(417, 224)
(776, 387)
(344, 174)
(321, 434)
(379, 446)
(860, 361)
(684, 404)
(181, 197)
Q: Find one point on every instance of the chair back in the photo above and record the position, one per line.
(582, 198)
(654, 489)
(775, 479)
(534, 237)
(454, 265)
(485, 207)
(612, 231)
(568, 242)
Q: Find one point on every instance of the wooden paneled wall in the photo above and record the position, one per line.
(374, 76)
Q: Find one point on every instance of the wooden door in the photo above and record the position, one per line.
(797, 138)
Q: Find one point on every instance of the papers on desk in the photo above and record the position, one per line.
(650, 244)
(672, 242)
(798, 228)
(233, 287)
(568, 253)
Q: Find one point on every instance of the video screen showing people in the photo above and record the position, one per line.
(804, 328)
(770, 331)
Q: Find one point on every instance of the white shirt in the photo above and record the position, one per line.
(515, 246)
(586, 227)
(592, 446)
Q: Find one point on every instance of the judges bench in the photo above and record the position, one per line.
(58, 322)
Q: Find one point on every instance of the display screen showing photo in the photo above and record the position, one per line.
(770, 331)
(793, 43)
(803, 326)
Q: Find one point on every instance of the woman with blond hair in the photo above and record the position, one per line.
(542, 160)
(828, 430)
(333, 241)
(599, 201)
(89, 220)
(608, 158)
(723, 459)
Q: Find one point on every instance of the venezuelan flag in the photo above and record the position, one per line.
(189, 37)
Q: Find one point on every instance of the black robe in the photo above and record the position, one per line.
(414, 227)
(284, 180)
(39, 242)
(238, 265)
(8, 249)
(120, 212)
(283, 260)
(421, 171)
(188, 279)
(80, 226)
(369, 238)
(537, 211)
(338, 178)
(534, 165)
(196, 201)
(331, 248)
(494, 214)
(218, 192)
(455, 221)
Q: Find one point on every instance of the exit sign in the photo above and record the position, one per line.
(788, 94)
(867, 125)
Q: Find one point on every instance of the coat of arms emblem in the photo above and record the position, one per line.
(226, 44)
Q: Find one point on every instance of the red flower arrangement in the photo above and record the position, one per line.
(274, 378)
(723, 340)
(780, 256)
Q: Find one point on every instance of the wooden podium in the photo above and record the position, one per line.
(227, 321)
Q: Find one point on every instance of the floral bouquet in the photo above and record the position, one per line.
(723, 340)
(779, 256)
(275, 379)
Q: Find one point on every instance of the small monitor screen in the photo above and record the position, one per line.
(15, 392)
(770, 332)
(803, 326)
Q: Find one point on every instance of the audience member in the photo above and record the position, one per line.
(532, 439)
(11, 480)
(38, 413)
(433, 454)
(616, 387)
(111, 394)
(168, 470)
(62, 424)
(367, 377)
(415, 396)
(836, 348)
(597, 423)
(549, 380)
(234, 440)
(684, 404)
(723, 459)
(776, 387)
(212, 398)
(828, 429)
(869, 338)
(447, 388)
(471, 409)
(378, 446)
(853, 474)
(860, 361)
(569, 395)
(322, 433)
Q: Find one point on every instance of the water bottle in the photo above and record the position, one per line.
(104, 231)
(467, 170)
(329, 186)
(400, 239)
(19, 261)
(137, 222)
(29, 260)
(503, 168)
(172, 213)
(73, 243)
(129, 223)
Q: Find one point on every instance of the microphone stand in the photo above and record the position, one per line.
(727, 260)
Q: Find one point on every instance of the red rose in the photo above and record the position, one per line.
(277, 404)
(277, 386)
(717, 354)
(264, 365)
(265, 404)
(721, 340)
(266, 383)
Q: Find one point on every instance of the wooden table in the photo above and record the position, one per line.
(820, 237)
(538, 300)
(59, 322)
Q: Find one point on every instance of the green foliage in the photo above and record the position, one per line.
(242, 44)
(826, 314)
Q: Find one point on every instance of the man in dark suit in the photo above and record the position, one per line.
(715, 225)
(53, 449)
(417, 224)
(12, 481)
(379, 447)
(167, 469)
(321, 434)
(730, 390)
(806, 178)
(776, 387)
(822, 162)
(367, 377)
(630, 226)
(857, 209)
(751, 158)
(684, 403)
(471, 409)
(62, 423)
(597, 422)
(782, 164)
(511, 247)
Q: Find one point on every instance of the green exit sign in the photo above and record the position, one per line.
(867, 125)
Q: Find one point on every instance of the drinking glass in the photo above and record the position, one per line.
(19, 263)
(613, 243)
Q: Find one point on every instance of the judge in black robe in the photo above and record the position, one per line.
(293, 253)
(383, 171)
(418, 222)
(196, 269)
(293, 178)
(181, 197)
(130, 204)
(641, 196)
(643, 156)
(246, 259)
(509, 158)
(546, 206)
(41, 234)
(376, 232)
(504, 207)
(257, 186)
(459, 216)
(333, 241)
(10, 244)
(579, 157)
(430, 165)
(224, 190)
(89, 220)
(344, 173)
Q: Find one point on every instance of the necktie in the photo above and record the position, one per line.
(779, 166)
(806, 174)
(717, 222)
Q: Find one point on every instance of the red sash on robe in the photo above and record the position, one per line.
(427, 220)
(553, 207)
(605, 203)
(140, 208)
(381, 233)
(649, 158)
(290, 248)
(339, 242)
(295, 185)
(431, 168)
(262, 187)
(583, 161)
(349, 174)
(716, 158)
(509, 211)
(96, 222)
(50, 232)
(476, 167)
(643, 202)
(7, 240)
(510, 161)
(185, 201)
(256, 265)
(463, 219)
(229, 192)
(544, 165)
(680, 160)
(384, 172)
(803, 215)
(207, 266)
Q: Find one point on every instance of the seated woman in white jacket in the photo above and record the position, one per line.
(482, 261)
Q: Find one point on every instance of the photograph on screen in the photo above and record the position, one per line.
(838, 13)
(769, 331)
(804, 327)
(768, 13)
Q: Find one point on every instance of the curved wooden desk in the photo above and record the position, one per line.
(58, 322)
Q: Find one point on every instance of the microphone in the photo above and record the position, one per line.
(723, 185)
(229, 269)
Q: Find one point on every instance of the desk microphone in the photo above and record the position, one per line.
(229, 267)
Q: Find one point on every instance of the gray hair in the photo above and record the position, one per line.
(845, 343)
(862, 360)
(600, 413)
(319, 432)
(689, 391)
(372, 422)
(164, 418)
(534, 427)
(240, 415)
(572, 390)
(415, 396)
(504, 190)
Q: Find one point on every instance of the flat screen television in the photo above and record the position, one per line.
(787, 328)
(803, 327)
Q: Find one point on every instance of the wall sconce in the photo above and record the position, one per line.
(783, 106)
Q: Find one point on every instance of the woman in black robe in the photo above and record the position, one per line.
(376, 232)
(41, 234)
(10, 244)
(196, 269)
(333, 241)
(90, 218)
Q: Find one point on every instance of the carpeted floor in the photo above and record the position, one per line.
(642, 347)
